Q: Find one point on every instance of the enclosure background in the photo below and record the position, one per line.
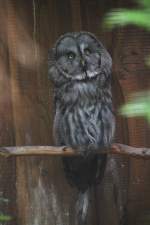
(27, 30)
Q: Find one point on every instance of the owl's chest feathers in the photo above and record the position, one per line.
(83, 108)
(78, 93)
(83, 94)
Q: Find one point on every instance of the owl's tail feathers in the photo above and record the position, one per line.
(82, 207)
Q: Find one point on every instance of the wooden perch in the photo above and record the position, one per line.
(116, 148)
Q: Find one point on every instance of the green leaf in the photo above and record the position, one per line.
(121, 17)
(144, 3)
(124, 17)
(138, 106)
(4, 217)
(147, 61)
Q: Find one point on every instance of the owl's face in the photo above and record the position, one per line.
(81, 57)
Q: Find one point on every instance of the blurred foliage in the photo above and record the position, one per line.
(2, 199)
(4, 218)
(121, 17)
(139, 104)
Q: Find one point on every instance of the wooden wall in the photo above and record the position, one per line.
(35, 186)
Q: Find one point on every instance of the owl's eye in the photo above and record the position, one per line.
(71, 55)
(87, 51)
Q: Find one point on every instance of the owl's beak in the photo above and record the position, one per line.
(83, 64)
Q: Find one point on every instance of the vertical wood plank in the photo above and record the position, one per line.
(76, 15)
(7, 166)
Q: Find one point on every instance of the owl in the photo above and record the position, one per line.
(80, 69)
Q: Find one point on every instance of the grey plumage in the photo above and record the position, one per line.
(80, 68)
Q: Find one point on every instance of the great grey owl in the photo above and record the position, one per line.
(80, 68)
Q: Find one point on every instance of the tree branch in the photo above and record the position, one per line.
(116, 148)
